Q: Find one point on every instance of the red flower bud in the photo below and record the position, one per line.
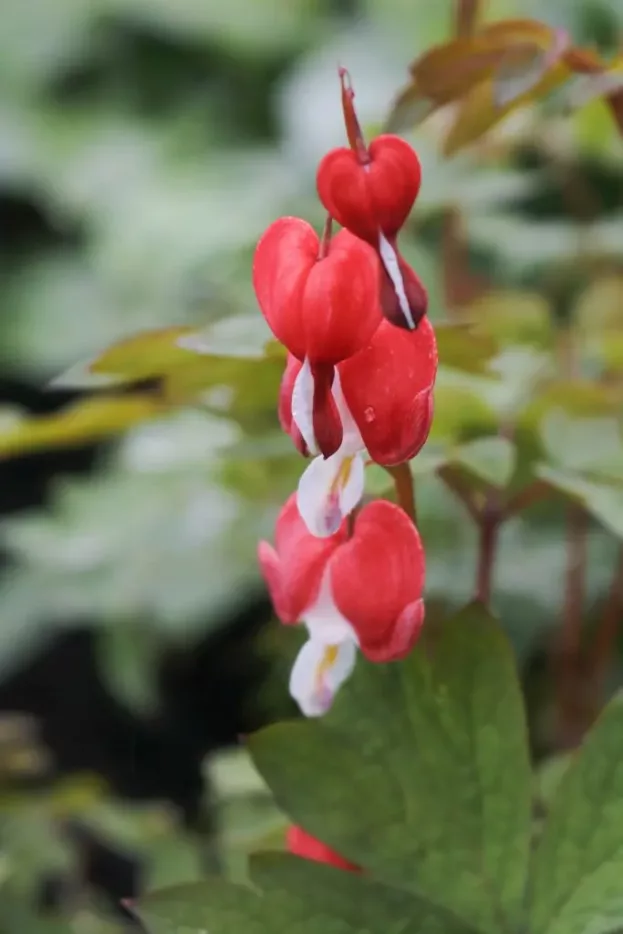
(302, 844)
(372, 198)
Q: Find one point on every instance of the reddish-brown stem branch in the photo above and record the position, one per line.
(455, 482)
(533, 493)
(488, 528)
(568, 638)
(325, 240)
(466, 17)
(405, 491)
(604, 643)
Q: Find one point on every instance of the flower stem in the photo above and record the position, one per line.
(405, 489)
(325, 241)
(351, 121)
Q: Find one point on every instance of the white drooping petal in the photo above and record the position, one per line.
(318, 672)
(303, 406)
(390, 262)
(328, 490)
(324, 621)
(352, 442)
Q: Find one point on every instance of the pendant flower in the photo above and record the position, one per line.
(316, 298)
(384, 397)
(302, 844)
(363, 591)
(370, 191)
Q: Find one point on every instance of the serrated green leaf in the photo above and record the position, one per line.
(578, 864)
(489, 459)
(298, 895)
(420, 773)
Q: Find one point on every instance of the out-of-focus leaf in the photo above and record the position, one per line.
(491, 460)
(605, 84)
(462, 347)
(603, 500)
(462, 409)
(499, 68)
(82, 423)
(479, 111)
(593, 446)
(127, 658)
(512, 318)
(599, 314)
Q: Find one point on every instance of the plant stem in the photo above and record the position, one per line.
(325, 241)
(488, 528)
(466, 17)
(604, 644)
(528, 496)
(405, 489)
(455, 482)
(568, 638)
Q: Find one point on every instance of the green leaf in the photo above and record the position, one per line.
(591, 445)
(420, 773)
(578, 865)
(299, 895)
(603, 500)
(488, 459)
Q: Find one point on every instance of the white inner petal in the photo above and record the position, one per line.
(318, 672)
(352, 442)
(329, 490)
(303, 406)
(390, 261)
(324, 621)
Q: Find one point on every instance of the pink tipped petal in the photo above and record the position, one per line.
(284, 405)
(327, 425)
(318, 672)
(329, 490)
(377, 574)
(389, 258)
(388, 388)
(405, 634)
(293, 570)
(270, 566)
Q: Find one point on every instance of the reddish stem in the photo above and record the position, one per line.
(568, 639)
(466, 17)
(405, 491)
(605, 640)
(488, 528)
(351, 121)
(325, 241)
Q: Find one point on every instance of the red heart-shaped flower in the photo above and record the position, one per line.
(373, 198)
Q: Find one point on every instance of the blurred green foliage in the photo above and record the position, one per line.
(144, 146)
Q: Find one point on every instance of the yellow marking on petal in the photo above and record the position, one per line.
(342, 475)
(329, 659)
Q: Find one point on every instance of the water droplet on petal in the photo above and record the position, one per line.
(369, 414)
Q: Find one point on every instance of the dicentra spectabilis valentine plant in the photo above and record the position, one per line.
(356, 386)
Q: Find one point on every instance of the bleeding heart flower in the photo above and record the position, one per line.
(364, 591)
(302, 844)
(319, 299)
(384, 397)
(370, 191)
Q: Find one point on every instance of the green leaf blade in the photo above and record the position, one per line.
(578, 865)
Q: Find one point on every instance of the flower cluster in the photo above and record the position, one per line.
(357, 387)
